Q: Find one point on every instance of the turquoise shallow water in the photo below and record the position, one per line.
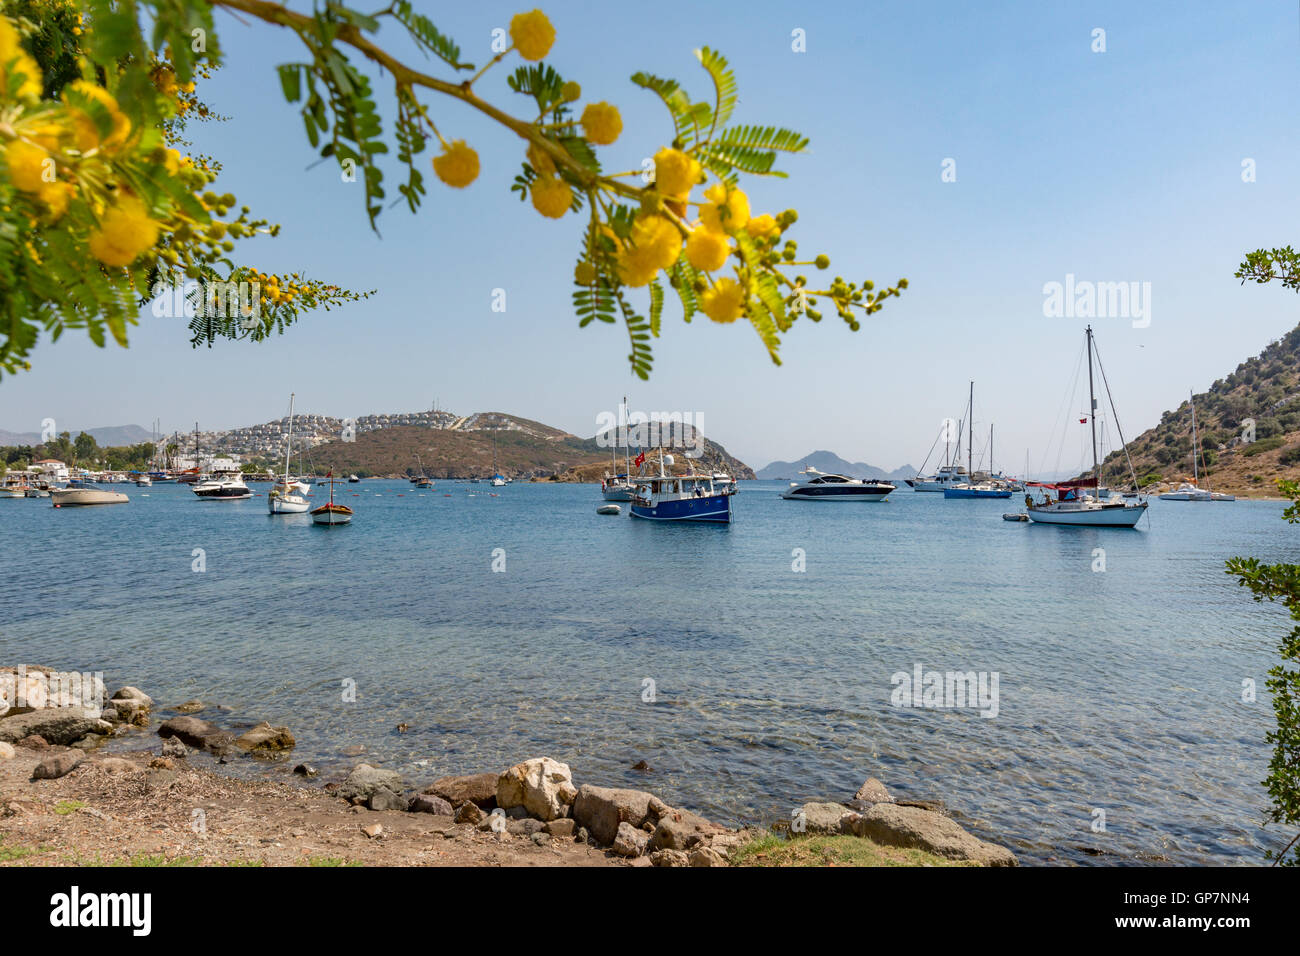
(1118, 690)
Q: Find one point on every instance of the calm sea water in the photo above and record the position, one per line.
(1118, 690)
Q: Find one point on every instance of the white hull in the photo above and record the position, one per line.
(1105, 517)
(920, 484)
(287, 505)
(64, 497)
(800, 496)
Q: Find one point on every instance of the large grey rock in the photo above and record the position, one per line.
(602, 809)
(56, 765)
(542, 786)
(133, 693)
(564, 828)
(364, 780)
(682, 830)
(818, 818)
(197, 732)
(57, 725)
(429, 803)
(384, 799)
(265, 739)
(630, 841)
(477, 788)
(893, 825)
(873, 791)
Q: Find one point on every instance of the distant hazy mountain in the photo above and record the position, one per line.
(107, 437)
(830, 462)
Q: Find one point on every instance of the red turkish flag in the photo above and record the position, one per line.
(639, 460)
(1083, 421)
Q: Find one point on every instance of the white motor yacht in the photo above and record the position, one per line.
(819, 486)
(223, 486)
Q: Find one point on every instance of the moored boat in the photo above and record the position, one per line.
(85, 493)
(330, 513)
(1073, 507)
(286, 496)
(222, 486)
(970, 488)
(819, 486)
(1192, 491)
(667, 497)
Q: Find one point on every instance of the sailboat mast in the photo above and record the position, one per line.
(288, 445)
(1092, 419)
(1196, 474)
(627, 444)
(992, 470)
(970, 443)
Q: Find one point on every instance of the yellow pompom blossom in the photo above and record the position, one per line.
(584, 274)
(707, 249)
(125, 231)
(637, 266)
(27, 165)
(724, 302)
(762, 227)
(656, 244)
(660, 237)
(15, 60)
(457, 166)
(675, 172)
(532, 34)
(552, 196)
(727, 211)
(602, 123)
(55, 196)
(84, 127)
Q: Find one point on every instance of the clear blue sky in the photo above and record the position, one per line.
(1115, 166)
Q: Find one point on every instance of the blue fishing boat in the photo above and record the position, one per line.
(666, 497)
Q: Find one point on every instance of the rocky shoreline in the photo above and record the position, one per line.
(60, 795)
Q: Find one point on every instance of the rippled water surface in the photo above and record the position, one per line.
(1118, 690)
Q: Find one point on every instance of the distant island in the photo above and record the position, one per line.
(832, 463)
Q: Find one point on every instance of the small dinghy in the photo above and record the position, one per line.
(609, 510)
(1015, 517)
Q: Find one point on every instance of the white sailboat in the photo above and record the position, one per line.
(615, 486)
(1194, 491)
(970, 488)
(498, 479)
(952, 472)
(284, 499)
(1072, 506)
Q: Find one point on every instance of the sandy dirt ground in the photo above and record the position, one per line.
(106, 813)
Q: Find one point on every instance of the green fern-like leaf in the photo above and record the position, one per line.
(656, 306)
(764, 137)
(724, 86)
(428, 37)
(673, 96)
